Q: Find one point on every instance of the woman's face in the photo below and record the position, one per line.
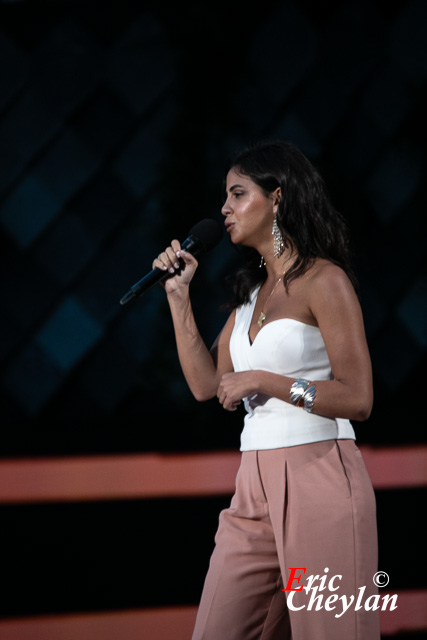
(249, 213)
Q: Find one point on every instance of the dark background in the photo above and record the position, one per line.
(116, 119)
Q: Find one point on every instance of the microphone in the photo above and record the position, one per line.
(204, 236)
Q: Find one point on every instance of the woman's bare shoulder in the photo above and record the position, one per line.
(329, 287)
(326, 273)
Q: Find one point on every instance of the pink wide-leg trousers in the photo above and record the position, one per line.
(311, 506)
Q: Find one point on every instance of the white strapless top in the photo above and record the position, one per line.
(290, 348)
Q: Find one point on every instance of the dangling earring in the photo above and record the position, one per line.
(262, 262)
(278, 244)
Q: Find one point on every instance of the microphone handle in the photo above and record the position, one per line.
(190, 244)
(143, 285)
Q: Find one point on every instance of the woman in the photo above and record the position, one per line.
(294, 350)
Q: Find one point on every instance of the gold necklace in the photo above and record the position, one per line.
(262, 316)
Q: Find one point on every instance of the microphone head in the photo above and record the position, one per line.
(207, 232)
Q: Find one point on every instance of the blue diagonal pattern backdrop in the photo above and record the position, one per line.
(115, 125)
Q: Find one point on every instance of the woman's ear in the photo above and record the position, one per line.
(277, 196)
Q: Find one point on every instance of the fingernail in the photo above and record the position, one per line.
(171, 270)
(178, 253)
(176, 265)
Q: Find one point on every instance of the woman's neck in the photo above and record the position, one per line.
(277, 267)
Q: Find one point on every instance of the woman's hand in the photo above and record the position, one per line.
(235, 386)
(180, 265)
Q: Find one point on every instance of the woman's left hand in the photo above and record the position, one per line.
(235, 386)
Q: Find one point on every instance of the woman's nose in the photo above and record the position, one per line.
(226, 209)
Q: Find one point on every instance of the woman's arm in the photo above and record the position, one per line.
(335, 306)
(202, 369)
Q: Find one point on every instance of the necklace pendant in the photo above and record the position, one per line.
(261, 319)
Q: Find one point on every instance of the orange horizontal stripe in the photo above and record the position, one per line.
(410, 615)
(156, 475)
(176, 622)
(117, 477)
(151, 624)
(396, 467)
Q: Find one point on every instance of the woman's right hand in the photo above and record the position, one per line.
(180, 264)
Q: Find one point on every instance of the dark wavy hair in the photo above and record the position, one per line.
(308, 221)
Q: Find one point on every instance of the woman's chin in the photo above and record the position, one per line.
(240, 240)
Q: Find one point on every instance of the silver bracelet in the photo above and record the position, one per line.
(309, 397)
(297, 391)
(303, 394)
